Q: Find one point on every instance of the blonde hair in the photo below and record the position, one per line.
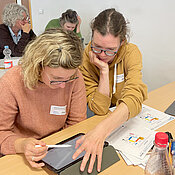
(54, 48)
(13, 12)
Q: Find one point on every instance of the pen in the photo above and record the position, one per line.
(54, 146)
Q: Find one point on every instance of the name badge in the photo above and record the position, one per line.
(120, 78)
(58, 110)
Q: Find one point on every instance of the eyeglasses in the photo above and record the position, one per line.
(60, 82)
(106, 51)
(72, 78)
(26, 19)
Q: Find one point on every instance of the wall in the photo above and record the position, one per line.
(18, 2)
(152, 28)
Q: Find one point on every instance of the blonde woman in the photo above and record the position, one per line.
(15, 31)
(42, 95)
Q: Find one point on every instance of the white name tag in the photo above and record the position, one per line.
(120, 78)
(58, 110)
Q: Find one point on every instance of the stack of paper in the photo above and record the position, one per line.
(135, 137)
(152, 118)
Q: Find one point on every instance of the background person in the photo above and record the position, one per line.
(69, 20)
(112, 72)
(15, 31)
(42, 95)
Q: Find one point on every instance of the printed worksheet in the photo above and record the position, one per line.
(150, 118)
(135, 137)
(132, 139)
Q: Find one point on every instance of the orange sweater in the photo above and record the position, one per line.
(26, 113)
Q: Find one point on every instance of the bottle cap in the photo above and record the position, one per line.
(161, 139)
(6, 47)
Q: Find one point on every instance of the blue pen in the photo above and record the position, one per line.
(173, 155)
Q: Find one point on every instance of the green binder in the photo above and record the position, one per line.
(109, 158)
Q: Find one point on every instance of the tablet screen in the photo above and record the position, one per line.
(58, 158)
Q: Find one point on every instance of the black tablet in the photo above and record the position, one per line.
(171, 109)
(58, 159)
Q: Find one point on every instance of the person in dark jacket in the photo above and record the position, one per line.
(15, 31)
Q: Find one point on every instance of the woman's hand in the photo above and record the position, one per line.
(79, 20)
(32, 154)
(99, 63)
(78, 25)
(92, 143)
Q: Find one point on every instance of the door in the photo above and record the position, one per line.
(2, 5)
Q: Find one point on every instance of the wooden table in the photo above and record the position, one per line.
(159, 99)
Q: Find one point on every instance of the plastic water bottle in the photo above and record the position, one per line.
(159, 161)
(7, 52)
(7, 57)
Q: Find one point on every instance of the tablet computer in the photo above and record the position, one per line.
(58, 159)
(171, 109)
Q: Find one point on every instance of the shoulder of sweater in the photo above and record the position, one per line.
(4, 27)
(12, 75)
(130, 46)
(127, 49)
(54, 20)
(124, 51)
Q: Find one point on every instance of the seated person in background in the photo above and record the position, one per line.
(112, 72)
(69, 20)
(15, 31)
(41, 95)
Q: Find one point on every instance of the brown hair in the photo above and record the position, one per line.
(111, 21)
(69, 16)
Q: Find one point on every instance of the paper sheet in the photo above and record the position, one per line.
(135, 137)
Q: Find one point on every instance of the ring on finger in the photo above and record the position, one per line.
(33, 158)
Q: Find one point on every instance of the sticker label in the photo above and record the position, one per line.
(58, 110)
(120, 78)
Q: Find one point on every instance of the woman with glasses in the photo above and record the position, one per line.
(41, 95)
(69, 20)
(15, 31)
(112, 72)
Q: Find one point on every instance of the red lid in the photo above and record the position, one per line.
(161, 139)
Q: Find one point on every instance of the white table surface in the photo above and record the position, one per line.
(2, 70)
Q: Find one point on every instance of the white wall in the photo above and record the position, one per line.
(152, 24)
